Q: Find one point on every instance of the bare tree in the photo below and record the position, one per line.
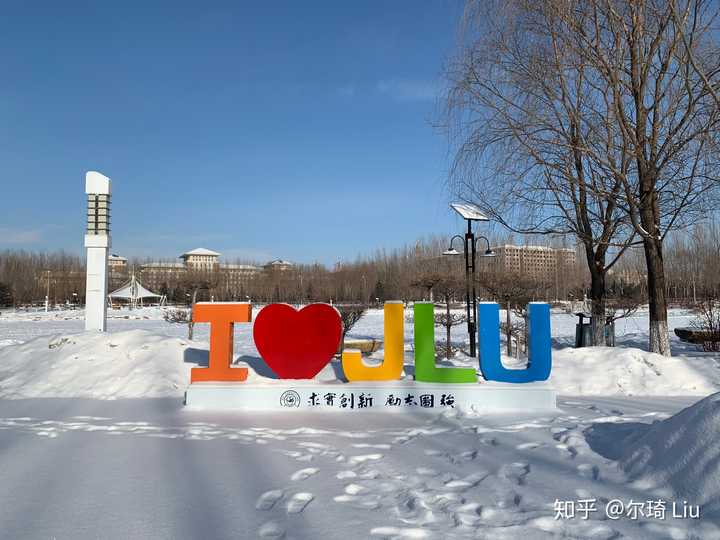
(198, 282)
(640, 118)
(522, 112)
(445, 287)
(666, 117)
(513, 292)
(350, 314)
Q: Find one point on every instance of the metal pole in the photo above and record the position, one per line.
(470, 325)
(47, 293)
(470, 276)
(470, 273)
(473, 336)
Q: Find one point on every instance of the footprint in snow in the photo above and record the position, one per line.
(458, 485)
(528, 446)
(298, 502)
(506, 498)
(398, 532)
(357, 460)
(355, 489)
(515, 472)
(268, 499)
(271, 529)
(366, 445)
(426, 471)
(364, 502)
(588, 471)
(303, 474)
(571, 450)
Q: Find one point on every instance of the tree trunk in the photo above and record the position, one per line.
(191, 324)
(659, 338)
(448, 326)
(597, 306)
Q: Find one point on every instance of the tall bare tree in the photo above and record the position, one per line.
(638, 122)
(445, 287)
(666, 116)
(522, 111)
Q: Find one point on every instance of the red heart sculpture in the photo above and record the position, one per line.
(297, 344)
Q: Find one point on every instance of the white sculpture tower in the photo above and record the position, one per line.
(97, 242)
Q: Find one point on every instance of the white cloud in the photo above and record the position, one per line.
(9, 235)
(408, 90)
(347, 90)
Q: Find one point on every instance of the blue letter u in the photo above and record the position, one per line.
(539, 349)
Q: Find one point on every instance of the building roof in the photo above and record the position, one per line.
(279, 262)
(238, 266)
(200, 251)
(114, 257)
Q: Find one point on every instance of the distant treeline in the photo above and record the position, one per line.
(26, 277)
(692, 259)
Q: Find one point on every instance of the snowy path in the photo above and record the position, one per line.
(145, 468)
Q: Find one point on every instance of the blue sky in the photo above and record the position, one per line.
(299, 130)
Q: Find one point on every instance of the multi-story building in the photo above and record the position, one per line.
(278, 265)
(198, 261)
(118, 263)
(235, 275)
(201, 259)
(535, 262)
(155, 274)
(117, 270)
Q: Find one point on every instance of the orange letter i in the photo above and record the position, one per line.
(221, 317)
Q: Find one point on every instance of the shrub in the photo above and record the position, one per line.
(180, 316)
(350, 315)
(708, 322)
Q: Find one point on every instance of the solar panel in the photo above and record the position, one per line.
(469, 211)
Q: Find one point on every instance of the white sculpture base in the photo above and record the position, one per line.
(390, 396)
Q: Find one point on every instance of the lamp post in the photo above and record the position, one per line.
(47, 291)
(470, 213)
(97, 243)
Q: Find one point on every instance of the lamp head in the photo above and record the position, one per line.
(451, 251)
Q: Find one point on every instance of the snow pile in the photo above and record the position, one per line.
(631, 372)
(129, 364)
(683, 453)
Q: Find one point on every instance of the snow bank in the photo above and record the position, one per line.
(631, 372)
(683, 453)
(128, 364)
(142, 363)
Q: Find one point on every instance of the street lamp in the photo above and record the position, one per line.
(469, 213)
(47, 292)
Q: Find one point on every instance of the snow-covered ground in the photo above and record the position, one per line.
(79, 460)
